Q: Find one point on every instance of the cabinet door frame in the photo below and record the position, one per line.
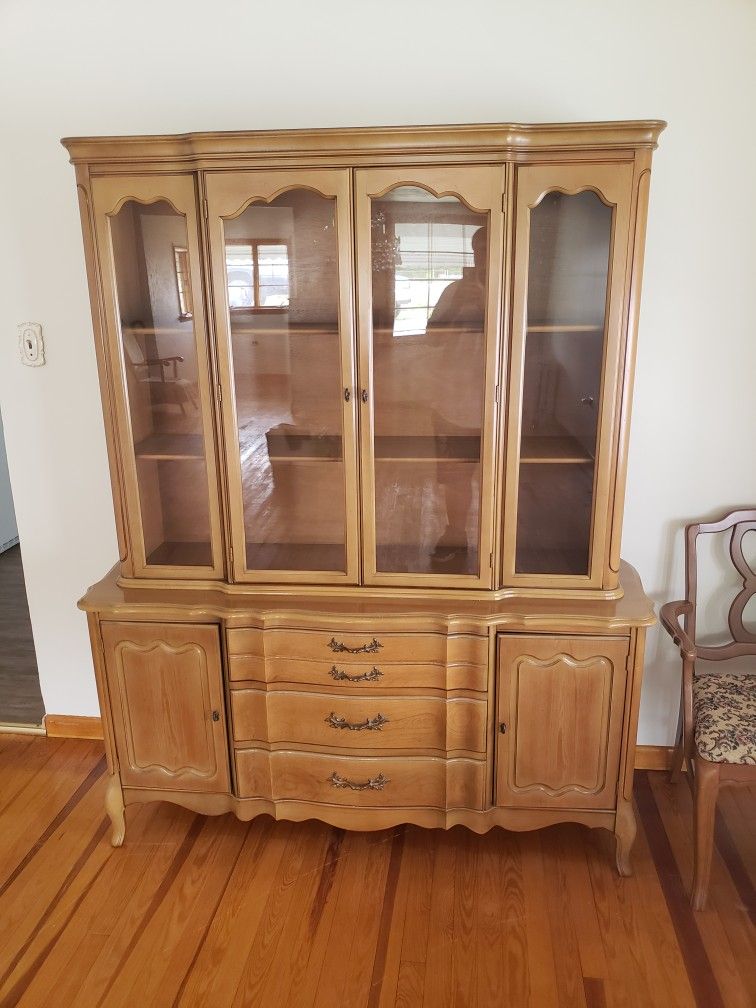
(229, 193)
(174, 639)
(543, 651)
(612, 183)
(109, 194)
(481, 188)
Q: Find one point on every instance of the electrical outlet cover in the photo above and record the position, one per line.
(31, 344)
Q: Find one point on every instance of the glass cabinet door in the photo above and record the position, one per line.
(571, 247)
(282, 276)
(147, 237)
(429, 247)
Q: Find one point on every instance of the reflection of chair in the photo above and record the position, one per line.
(165, 388)
(718, 710)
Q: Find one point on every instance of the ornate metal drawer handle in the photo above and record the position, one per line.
(372, 784)
(371, 648)
(369, 724)
(341, 676)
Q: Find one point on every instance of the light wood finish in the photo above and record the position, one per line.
(228, 682)
(559, 720)
(228, 194)
(73, 726)
(360, 676)
(651, 757)
(361, 782)
(108, 197)
(363, 646)
(321, 719)
(533, 919)
(169, 714)
(480, 189)
(613, 185)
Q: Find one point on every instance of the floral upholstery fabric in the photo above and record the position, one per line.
(724, 708)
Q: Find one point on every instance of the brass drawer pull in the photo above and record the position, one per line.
(341, 676)
(371, 648)
(369, 724)
(372, 784)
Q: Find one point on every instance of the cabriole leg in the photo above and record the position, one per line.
(706, 790)
(115, 809)
(624, 831)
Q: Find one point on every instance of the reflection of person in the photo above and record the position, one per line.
(461, 306)
(463, 301)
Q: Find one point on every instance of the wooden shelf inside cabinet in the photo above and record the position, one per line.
(427, 448)
(561, 449)
(170, 446)
(544, 327)
(293, 447)
(181, 554)
(296, 556)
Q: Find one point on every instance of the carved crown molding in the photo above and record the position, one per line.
(497, 139)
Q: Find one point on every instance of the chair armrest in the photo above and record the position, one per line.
(670, 614)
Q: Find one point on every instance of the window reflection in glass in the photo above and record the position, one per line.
(429, 282)
(257, 274)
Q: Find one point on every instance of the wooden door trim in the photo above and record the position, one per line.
(108, 197)
(228, 195)
(613, 185)
(481, 188)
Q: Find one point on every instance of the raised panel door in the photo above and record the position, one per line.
(559, 720)
(166, 692)
(571, 245)
(282, 286)
(148, 244)
(429, 256)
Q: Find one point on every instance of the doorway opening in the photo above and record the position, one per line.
(21, 706)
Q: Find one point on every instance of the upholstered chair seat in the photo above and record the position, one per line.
(724, 705)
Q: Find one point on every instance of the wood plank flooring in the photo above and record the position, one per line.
(20, 698)
(194, 911)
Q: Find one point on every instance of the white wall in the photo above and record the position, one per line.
(144, 67)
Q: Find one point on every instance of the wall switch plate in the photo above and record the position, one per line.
(31, 344)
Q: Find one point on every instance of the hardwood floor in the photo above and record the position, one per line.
(20, 698)
(198, 911)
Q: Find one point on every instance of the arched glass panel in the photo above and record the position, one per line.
(429, 261)
(568, 273)
(282, 279)
(159, 349)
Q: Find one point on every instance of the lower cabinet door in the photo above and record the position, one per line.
(559, 723)
(166, 694)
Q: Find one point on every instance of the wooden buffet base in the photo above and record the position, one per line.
(367, 713)
(310, 916)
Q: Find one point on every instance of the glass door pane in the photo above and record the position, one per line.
(429, 287)
(160, 323)
(568, 326)
(277, 278)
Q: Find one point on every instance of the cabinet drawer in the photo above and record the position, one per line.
(363, 646)
(360, 781)
(368, 676)
(377, 722)
(560, 707)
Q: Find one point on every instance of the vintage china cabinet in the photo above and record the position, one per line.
(367, 396)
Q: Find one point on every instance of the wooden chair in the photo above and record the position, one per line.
(718, 710)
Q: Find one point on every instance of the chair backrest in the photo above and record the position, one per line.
(743, 642)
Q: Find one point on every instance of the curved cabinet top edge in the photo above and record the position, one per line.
(494, 138)
(255, 608)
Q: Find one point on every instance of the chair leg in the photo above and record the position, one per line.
(706, 791)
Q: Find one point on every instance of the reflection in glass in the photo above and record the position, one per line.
(151, 264)
(429, 282)
(568, 273)
(283, 298)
